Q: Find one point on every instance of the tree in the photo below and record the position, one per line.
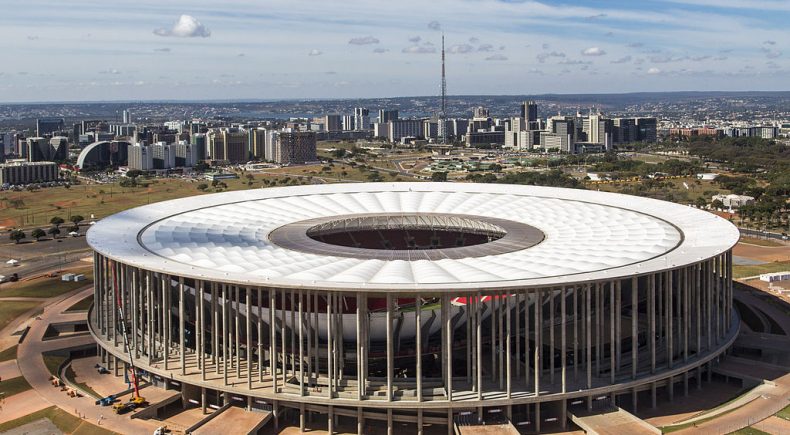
(17, 235)
(54, 231)
(57, 220)
(37, 233)
(76, 219)
(74, 229)
(439, 176)
(701, 203)
(202, 187)
(717, 204)
(134, 173)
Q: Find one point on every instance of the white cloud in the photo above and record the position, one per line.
(162, 50)
(380, 50)
(485, 48)
(461, 49)
(415, 39)
(624, 59)
(187, 26)
(434, 25)
(654, 71)
(364, 40)
(420, 49)
(594, 51)
(315, 52)
(543, 56)
(111, 71)
(497, 57)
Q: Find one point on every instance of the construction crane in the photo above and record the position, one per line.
(136, 400)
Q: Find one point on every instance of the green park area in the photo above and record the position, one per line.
(67, 423)
(742, 271)
(9, 387)
(10, 310)
(45, 286)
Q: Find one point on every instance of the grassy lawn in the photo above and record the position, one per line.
(784, 413)
(9, 387)
(53, 362)
(82, 305)
(11, 310)
(46, 287)
(66, 422)
(749, 431)
(8, 354)
(760, 242)
(71, 376)
(753, 270)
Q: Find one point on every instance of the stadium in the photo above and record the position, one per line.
(426, 306)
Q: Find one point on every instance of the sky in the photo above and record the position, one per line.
(102, 50)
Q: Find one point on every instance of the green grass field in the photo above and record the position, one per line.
(760, 242)
(11, 310)
(64, 421)
(102, 200)
(8, 354)
(9, 387)
(46, 287)
(53, 362)
(82, 305)
(784, 413)
(749, 431)
(742, 271)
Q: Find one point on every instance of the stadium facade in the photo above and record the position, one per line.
(420, 303)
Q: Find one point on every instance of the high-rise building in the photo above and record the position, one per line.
(228, 144)
(127, 117)
(481, 113)
(258, 143)
(387, 115)
(333, 123)
(396, 130)
(294, 148)
(47, 126)
(529, 111)
(185, 155)
(40, 149)
(361, 118)
(648, 129)
(348, 122)
(22, 172)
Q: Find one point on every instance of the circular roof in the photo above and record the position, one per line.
(586, 236)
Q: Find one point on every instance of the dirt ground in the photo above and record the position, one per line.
(762, 253)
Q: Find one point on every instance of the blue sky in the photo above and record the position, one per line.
(152, 49)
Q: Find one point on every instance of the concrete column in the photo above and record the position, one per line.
(418, 331)
(527, 358)
(283, 330)
(419, 415)
(272, 339)
(588, 340)
(551, 336)
(479, 345)
(598, 328)
(618, 328)
(237, 330)
(301, 344)
(248, 314)
(389, 421)
(225, 320)
(359, 345)
(518, 334)
(670, 320)
(612, 342)
(330, 345)
(508, 356)
(301, 417)
(634, 328)
(330, 420)
(576, 359)
(181, 314)
(260, 335)
(360, 421)
(448, 346)
(390, 358)
(651, 319)
(563, 343)
(538, 339)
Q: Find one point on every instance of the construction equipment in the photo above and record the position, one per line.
(106, 401)
(136, 400)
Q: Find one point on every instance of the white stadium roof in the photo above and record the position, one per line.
(588, 236)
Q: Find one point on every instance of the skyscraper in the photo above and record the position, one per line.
(127, 117)
(529, 111)
(361, 118)
(387, 115)
(45, 126)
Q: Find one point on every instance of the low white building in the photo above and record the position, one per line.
(776, 276)
(733, 201)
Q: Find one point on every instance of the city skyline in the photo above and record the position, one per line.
(282, 50)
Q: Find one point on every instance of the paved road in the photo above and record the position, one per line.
(33, 369)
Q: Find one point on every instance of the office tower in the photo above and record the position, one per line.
(348, 122)
(21, 172)
(387, 115)
(361, 118)
(185, 155)
(140, 157)
(404, 128)
(200, 142)
(127, 117)
(647, 129)
(258, 143)
(295, 148)
(333, 123)
(228, 144)
(45, 126)
(529, 111)
(40, 149)
(481, 113)
(625, 131)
